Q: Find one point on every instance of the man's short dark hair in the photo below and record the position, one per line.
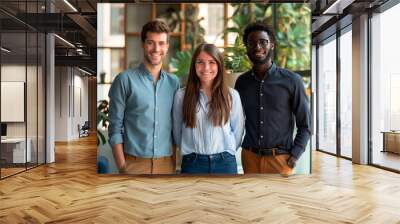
(258, 26)
(155, 26)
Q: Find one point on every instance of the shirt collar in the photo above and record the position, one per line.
(146, 72)
(271, 71)
(203, 93)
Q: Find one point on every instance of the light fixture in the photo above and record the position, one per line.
(65, 41)
(5, 50)
(84, 71)
(70, 5)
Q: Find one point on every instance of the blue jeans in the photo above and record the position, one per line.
(220, 163)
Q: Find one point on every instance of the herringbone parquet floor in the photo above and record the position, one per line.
(70, 191)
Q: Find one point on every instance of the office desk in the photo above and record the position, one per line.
(13, 150)
(391, 141)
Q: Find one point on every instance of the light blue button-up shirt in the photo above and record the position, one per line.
(205, 138)
(141, 112)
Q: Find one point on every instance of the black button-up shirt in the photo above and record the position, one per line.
(272, 106)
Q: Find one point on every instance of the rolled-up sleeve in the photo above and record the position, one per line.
(177, 117)
(237, 118)
(117, 95)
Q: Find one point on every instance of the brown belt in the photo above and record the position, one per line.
(149, 159)
(267, 151)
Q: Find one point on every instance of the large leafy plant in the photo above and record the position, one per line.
(236, 59)
(181, 62)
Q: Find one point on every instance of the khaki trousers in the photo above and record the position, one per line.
(254, 163)
(137, 165)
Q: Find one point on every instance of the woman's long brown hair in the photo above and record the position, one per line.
(220, 102)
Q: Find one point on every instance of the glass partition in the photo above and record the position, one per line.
(14, 153)
(22, 87)
(346, 94)
(385, 89)
(326, 93)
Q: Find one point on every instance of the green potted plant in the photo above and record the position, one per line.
(181, 62)
(236, 60)
(102, 121)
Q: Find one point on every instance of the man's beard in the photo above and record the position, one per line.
(262, 61)
(147, 58)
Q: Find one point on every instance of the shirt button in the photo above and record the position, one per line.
(155, 136)
(262, 81)
(261, 108)
(261, 94)
(261, 122)
(261, 136)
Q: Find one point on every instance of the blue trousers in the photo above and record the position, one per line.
(220, 163)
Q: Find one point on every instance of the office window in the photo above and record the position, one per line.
(117, 62)
(110, 62)
(385, 89)
(117, 19)
(346, 94)
(327, 96)
(213, 22)
(136, 16)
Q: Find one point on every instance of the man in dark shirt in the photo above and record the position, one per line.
(273, 99)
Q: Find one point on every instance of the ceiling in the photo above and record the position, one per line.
(76, 22)
(72, 20)
(330, 15)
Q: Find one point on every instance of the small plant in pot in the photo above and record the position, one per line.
(102, 121)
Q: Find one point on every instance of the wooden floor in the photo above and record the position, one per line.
(70, 191)
(387, 159)
(10, 171)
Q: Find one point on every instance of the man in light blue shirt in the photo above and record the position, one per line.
(141, 99)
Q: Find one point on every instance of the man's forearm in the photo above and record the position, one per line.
(118, 151)
(300, 142)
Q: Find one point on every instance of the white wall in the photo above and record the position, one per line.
(33, 127)
(79, 117)
(70, 83)
(61, 104)
(16, 73)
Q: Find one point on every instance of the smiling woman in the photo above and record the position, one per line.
(206, 70)
(208, 116)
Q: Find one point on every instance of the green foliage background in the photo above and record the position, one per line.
(292, 25)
